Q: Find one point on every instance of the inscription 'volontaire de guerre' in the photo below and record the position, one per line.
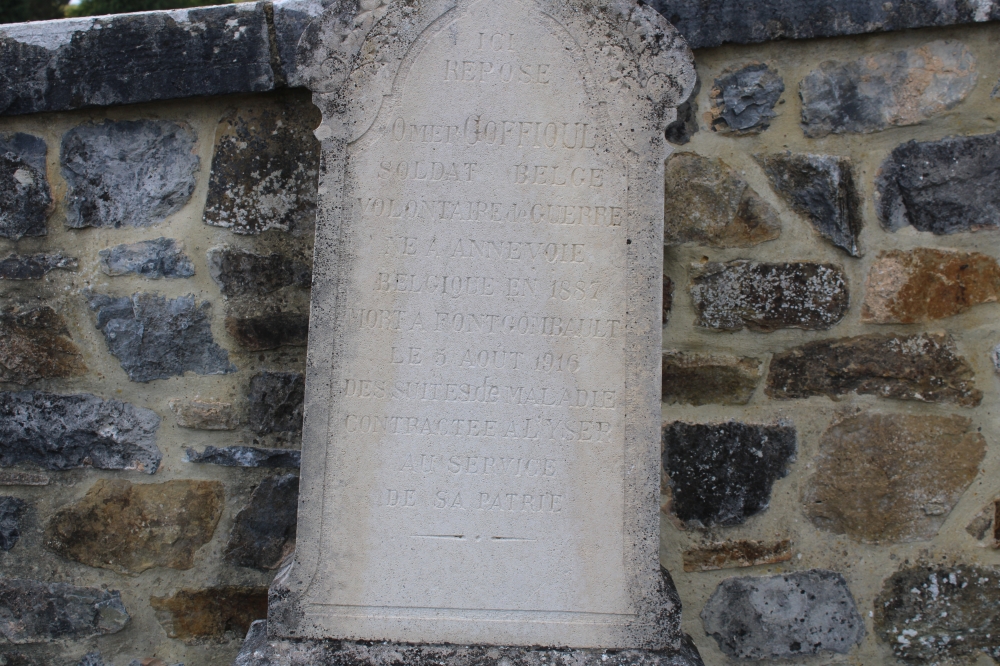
(480, 457)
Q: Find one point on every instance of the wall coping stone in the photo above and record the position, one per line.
(250, 47)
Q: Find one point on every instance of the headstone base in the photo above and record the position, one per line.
(259, 650)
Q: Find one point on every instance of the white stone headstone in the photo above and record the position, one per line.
(481, 457)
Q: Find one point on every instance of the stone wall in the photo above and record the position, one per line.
(830, 450)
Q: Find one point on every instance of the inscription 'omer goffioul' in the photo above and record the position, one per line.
(478, 397)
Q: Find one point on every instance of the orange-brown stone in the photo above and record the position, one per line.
(36, 345)
(221, 612)
(738, 553)
(129, 527)
(908, 287)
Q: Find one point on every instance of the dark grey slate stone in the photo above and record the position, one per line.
(767, 297)
(129, 173)
(25, 197)
(708, 23)
(784, 617)
(11, 509)
(50, 65)
(243, 273)
(820, 188)
(743, 100)
(722, 473)
(155, 338)
(681, 130)
(940, 614)
(69, 431)
(263, 533)
(942, 186)
(33, 266)
(259, 651)
(274, 403)
(92, 659)
(269, 331)
(996, 91)
(153, 259)
(245, 456)
(32, 611)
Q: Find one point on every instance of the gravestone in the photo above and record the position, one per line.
(480, 458)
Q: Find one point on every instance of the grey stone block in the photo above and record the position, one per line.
(32, 611)
(274, 403)
(127, 173)
(784, 617)
(708, 23)
(264, 531)
(259, 651)
(153, 259)
(245, 456)
(155, 338)
(943, 187)
(743, 100)
(69, 431)
(721, 474)
(820, 188)
(25, 197)
(132, 58)
(883, 90)
(243, 273)
(33, 266)
(11, 509)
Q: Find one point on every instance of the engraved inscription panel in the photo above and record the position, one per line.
(477, 471)
(485, 337)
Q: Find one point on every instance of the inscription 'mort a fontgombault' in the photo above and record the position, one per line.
(479, 402)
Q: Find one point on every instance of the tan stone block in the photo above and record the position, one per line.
(204, 414)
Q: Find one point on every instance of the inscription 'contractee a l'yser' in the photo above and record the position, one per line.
(476, 404)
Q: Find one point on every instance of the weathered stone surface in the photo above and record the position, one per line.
(152, 259)
(269, 331)
(265, 168)
(68, 431)
(263, 534)
(681, 130)
(129, 527)
(996, 91)
(245, 456)
(243, 273)
(711, 23)
(980, 526)
(32, 611)
(33, 266)
(155, 338)
(892, 477)
(218, 612)
(25, 197)
(259, 651)
(92, 659)
(783, 617)
(668, 298)
(36, 345)
(738, 553)
(943, 187)
(932, 614)
(19, 478)
(820, 188)
(722, 473)
(743, 100)
(707, 203)
(908, 287)
(204, 415)
(11, 509)
(49, 66)
(131, 173)
(886, 89)
(766, 297)
(704, 379)
(924, 367)
(274, 403)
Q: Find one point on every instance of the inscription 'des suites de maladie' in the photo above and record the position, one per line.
(472, 469)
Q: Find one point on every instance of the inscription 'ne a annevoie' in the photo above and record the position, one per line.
(470, 399)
